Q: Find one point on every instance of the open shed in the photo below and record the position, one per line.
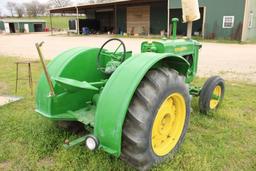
(128, 16)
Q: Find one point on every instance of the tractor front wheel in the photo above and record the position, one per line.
(211, 94)
(157, 119)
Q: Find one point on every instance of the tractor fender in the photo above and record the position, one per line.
(77, 64)
(118, 92)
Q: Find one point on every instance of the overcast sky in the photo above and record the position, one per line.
(5, 11)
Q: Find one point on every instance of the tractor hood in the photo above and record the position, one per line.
(179, 46)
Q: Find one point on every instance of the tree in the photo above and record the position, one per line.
(19, 10)
(11, 7)
(35, 8)
(59, 3)
(42, 9)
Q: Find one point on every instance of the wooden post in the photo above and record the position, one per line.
(115, 19)
(203, 26)
(189, 29)
(51, 23)
(168, 19)
(245, 21)
(77, 21)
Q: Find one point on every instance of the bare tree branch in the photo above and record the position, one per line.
(19, 10)
(35, 8)
(59, 3)
(11, 7)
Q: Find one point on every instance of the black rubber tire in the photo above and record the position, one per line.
(156, 86)
(206, 93)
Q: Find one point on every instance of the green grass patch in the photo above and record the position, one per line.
(222, 141)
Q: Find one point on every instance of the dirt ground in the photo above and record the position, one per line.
(232, 61)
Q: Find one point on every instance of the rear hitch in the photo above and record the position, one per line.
(91, 142)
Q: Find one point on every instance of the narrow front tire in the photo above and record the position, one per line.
(211, 94)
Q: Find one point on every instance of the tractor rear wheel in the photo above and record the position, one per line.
(157, 118)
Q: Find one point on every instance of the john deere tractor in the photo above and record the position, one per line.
(136, 107)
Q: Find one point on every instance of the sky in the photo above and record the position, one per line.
(4, 11)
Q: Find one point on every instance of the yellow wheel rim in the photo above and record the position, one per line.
(216, 96)
(168, 124)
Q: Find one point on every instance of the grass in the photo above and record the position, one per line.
(222, 141)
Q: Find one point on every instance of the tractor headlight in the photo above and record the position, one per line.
(91, 142)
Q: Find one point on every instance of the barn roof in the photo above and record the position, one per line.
(7, 20)
(82, 8)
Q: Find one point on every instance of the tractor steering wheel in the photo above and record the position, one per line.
(113, 56)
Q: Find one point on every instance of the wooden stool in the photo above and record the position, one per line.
(30, 80)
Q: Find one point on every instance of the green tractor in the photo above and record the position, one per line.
(136, 107)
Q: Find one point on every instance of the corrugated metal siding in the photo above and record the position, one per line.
(2, 25)
(19, 26)
(121, 20)
(22, 27)
(31, 27)
(215, 11)
(158, 18)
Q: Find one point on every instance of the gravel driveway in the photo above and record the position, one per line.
(232, 61)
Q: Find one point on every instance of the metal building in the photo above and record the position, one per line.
(21, 25)
(229, 19)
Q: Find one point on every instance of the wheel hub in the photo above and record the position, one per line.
(216, 96)
(168, 124)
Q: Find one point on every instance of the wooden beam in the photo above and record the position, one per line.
(77, 21)
(115, 19)
(204, 19)
(189, 29)
(72, 9)
(245, 21)
(51, 23)
(168, 19)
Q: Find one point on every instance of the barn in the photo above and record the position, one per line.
(229, 19)
(133, 16)
(22, 25)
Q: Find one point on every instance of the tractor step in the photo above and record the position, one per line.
(85, 115)
(74, 85)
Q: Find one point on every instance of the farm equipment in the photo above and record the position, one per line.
(136, 107)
